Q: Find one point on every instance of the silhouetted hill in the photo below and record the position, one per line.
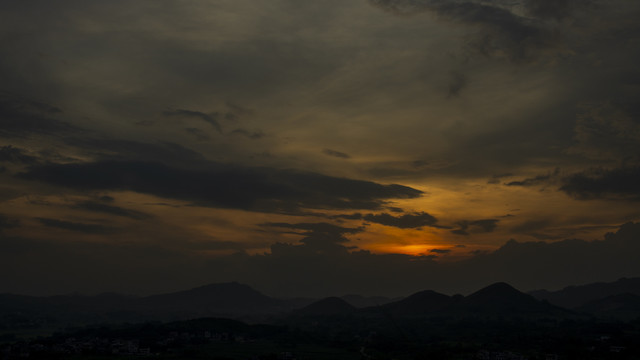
(298, 302)
(497, 300)
(212, 300)
(327, 306)
(419, 304)
(622, 306)
(238, 301)
(502, 299)
(360, 301)
(499, 294)
(575, 296)
(231, 300)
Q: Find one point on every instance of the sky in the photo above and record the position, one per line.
(314, 148)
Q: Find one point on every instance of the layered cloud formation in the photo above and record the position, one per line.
(367, 141)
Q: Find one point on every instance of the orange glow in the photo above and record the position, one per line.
(415, 250)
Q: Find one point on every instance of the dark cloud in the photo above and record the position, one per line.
(323, 265)
(237, 109)
(316, 228)
(109, 149)
(420, 163)
(77, 227)
(619, 183)
(328, 83)
(407, 221)
(335, 153)
(549, 229)
(220, 185)
(354, 216)
(217, 245)
(499, 30)
(486, 225)
(7, 223)
(537, 180)
(531, 225)
(16, 155)
(100, 207)
(495, 179)
(24, 105)
(562, 263)
(254, 135)
(198, 134)
(320, 238)
(476, 226)
(607, 131)
(211, 118)
(457, 82)
(555, 9)
(20, 117)
(440, 251)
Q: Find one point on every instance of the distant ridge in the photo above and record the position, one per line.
(576, 296)
(238, 301)
(229, 300)
(327, 306)
(503, 299)
(496, 300)
(360, 301)
(419, 304)
(621, 307)
(214, 298)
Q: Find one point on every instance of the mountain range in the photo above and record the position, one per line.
(496, 300)
(620, 300)
(575, 296)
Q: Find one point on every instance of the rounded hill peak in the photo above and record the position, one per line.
(327, 306)
(497, 289)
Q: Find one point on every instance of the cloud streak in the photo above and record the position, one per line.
(99, 207)
(618, 183)
(257, 189)
(407, 221)
(211, 119)
(476, 226)
(20, 117)
(336, 154)
(77, 227)
(500, 30)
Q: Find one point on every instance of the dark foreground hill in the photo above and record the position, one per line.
(344, 337)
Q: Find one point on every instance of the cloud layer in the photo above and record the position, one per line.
(368, 140)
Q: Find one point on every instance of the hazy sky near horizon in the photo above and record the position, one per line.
(155, 145)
